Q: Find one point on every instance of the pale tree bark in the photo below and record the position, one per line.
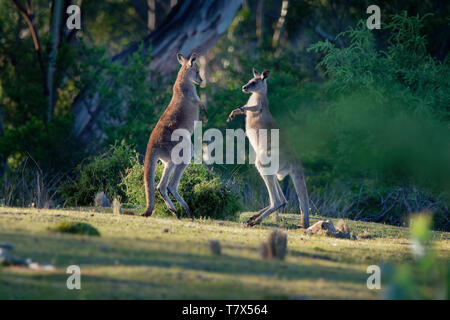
(192, 25)
(260, 21)
(151, 20)
(55, 34)
(280, 23)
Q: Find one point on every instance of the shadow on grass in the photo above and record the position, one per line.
(84, 251)
(53, 286)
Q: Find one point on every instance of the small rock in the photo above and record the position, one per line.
(101, 200)
(343, 230)
(39, 267)
(116, 206)
(264, 250)
(47, 267)
(322, 228)
(34, 266)
(215, 247)
(342, 227)
(3, 253)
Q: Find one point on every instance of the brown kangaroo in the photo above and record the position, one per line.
(180, 114)
(259, 117)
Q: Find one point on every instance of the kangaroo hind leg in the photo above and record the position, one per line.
(275, 202)
(151, 159)
(163, 185)
(298, 179)
(173, 187)
(258, 214)
(282, 199)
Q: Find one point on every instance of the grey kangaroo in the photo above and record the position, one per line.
(259, 117)
(180, 114)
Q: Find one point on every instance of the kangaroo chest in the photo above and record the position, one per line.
(253, 122)
(184, 115)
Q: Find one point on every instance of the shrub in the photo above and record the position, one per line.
(427, 276)
(100, 173)
(205, 193)
(76, 227)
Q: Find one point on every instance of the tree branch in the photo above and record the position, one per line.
(29, 17)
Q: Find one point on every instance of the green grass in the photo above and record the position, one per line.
(134, 258)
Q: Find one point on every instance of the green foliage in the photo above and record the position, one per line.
(425, 278)
(403, 71)
(23, 104)
(119, 173)
(50, 144)
(100, 173)
(144, 95)
(373, 138)
(380, 122)
(132, 111)
(76, 228)
(204, 191)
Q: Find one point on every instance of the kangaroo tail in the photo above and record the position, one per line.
(149, 180)
(298, 179)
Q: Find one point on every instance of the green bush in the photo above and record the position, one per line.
(100, 173)
(379, 126)
(427, 276)
(76, 228)
(205, 193)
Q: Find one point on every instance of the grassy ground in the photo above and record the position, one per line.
(135, 259)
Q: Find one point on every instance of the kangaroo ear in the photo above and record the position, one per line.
(256, 73)
(265, 74)
(192, 59)
(181, 58)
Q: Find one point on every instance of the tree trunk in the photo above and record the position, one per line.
(192, 25)
(55, 32)
(151, 20)
(280, 23)
(260, 21)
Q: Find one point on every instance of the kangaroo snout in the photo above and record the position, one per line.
(245, 88)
